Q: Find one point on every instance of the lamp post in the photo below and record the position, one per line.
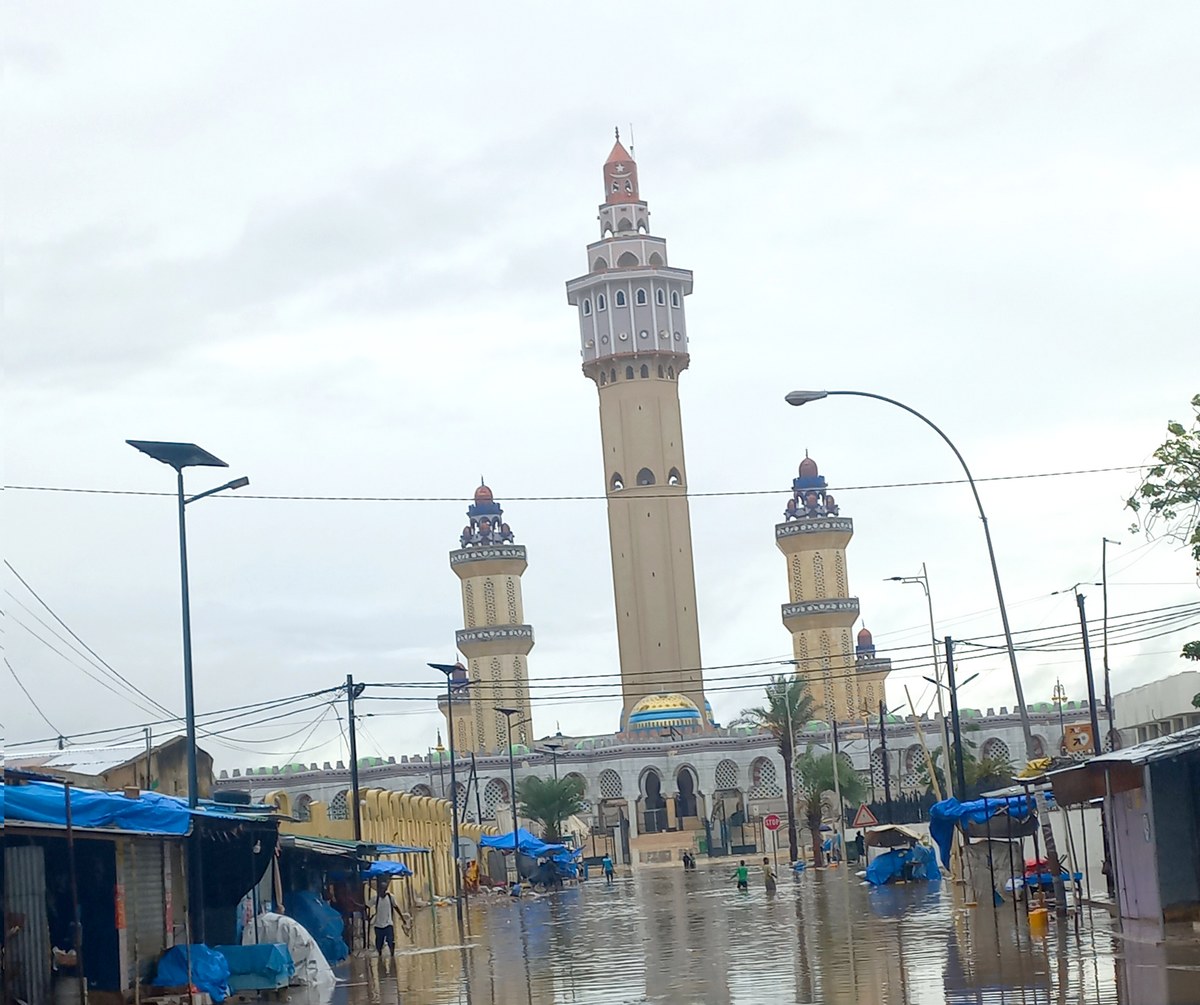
(508, 713)
(953, 687)
(923, 581)
(554, 748)
(1059, 697)
(448, 669)
(804, 397)
(180, 456)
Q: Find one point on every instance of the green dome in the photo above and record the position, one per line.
(1041, 706)
(587, 743)
(518, 749)
(815, 726)
(970, 713)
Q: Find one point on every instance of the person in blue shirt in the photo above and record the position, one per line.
(607, 866)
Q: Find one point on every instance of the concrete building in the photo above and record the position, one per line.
(1155, 709)
(495, 639)
(820, 613)
(634, 346)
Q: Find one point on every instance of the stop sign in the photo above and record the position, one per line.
(771, 821)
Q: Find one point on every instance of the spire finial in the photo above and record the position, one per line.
(482, 482)
(617, 133)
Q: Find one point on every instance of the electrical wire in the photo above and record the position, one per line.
(589, 498)
(25, 690)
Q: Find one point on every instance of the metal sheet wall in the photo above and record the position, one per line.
(28, 952)
(146, 893)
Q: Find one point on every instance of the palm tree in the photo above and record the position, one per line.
(815, 772)
(980, 773)
(788, 706)
(549, 801)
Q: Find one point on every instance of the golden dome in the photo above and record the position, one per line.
(658, 710)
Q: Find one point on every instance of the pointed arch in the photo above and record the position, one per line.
(600, 264)
(645, 477)
(587, 307)
(627, 260)
(616, 482)
(629, 373)
(674, 298)
(661, 372)
(601, 302)
(619, 298)
(660, 297)
(640, 298)
(674, 477)
(655, 258)
(645, 370)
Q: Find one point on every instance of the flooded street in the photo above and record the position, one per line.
(669, 936)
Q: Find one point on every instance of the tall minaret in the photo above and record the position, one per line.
(495, 641)
(633, 340)
(821, 614)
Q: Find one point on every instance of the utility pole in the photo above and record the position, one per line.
(887, 781)
(1095, 719)
(867, 722)
(959, 770)
(1108, 701)
(350, 695)
(837, 791)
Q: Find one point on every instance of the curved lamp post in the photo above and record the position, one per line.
(508, 713)
(804, 397)
(448, 669)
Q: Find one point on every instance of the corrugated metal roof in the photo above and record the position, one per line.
(1186, 741)
(80, 760)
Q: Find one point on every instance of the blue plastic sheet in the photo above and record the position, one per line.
(45, 803)
(386, 869)
(209, 971)
(944, 816)
(916, 862)
(528, 844)
(323, 923)
(265, 966)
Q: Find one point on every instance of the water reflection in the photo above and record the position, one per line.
(669, 936)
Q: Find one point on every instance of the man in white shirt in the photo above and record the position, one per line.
(382, 908)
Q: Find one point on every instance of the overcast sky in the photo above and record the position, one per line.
(328, 243)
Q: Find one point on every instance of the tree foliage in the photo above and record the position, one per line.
(981, 774)
(789, 707)
(549, 801)
(1168, 500)
(815, 774)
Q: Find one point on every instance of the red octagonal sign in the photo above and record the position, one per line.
(771, 821)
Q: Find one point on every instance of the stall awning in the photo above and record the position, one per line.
(341, 848)
(43, 804)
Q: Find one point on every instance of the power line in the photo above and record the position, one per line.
(100, 660)
(21, 685)
(586, 497)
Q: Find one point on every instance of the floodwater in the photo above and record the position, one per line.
(663, 935)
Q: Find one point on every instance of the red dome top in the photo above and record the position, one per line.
(483, 495)
(865, 638)
(808, 468)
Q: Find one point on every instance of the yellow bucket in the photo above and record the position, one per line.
(1039, 922)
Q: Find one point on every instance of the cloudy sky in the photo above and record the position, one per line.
(329, 243)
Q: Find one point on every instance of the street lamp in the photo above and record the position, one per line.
(448, 669)
(180, 456)
(953, 688)
(923, 581)
(554, 748)
(508, 713)
(804, 397)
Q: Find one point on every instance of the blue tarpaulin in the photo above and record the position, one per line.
(944, 816)
(916, 862)
(209, 970)
(386, 869)
(263, 967)
(529, 845)
(322, 922)
(45, 803)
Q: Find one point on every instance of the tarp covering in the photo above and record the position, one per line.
(916, 862)
(45, 803)
(312, 968)
(386, 869)
(944, 816)
(528, 844)
(321, 921)
(256, 968)
(209, 970)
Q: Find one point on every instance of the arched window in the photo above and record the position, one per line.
(660, 297)
(601, 303)
(304, 807)
(603, 378)
(674, 298)
(670, 373)
(645, 477)
(600, 264)
(616, 186)
(655, 258)
(627, 259)
(645, 370)
(616, 483)
(660, 371)
(629, 373)
(640, 298)
(673, 477)
(619, 298)
(587, 308)
(612, 375)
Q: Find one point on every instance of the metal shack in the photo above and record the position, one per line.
(1151, 795)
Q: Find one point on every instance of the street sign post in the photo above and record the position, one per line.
(864, 817)
(772, 822)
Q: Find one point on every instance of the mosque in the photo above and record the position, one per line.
(667, 777)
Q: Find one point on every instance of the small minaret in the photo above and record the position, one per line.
(821, 613)
(634, 346)
(496, 640)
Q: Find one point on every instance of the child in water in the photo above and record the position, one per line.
(742, 875)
